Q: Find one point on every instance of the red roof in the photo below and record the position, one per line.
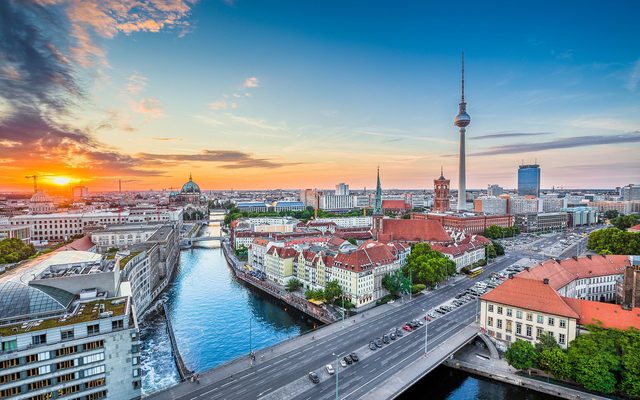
(283, 252)
(82, 244)
(530, 294)
(395, 205)
(413, 230)
(635, 228)
(610, 315)
(562, 272)
(364, 259)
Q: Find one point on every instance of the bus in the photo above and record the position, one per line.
(475, 272)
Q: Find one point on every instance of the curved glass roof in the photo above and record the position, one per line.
(17, 299)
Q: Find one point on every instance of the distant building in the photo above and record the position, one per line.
(628, 287)
(80, 192)
(494, 190)
(630, 192)
(490, 205)
(395, 206)
(529, 180)
(194, 203)
(581, 216)
(15, 232)
(309, 197)
(409, 230)
(252, 206)
(468, 223)
(441, 188)
(288, 206)
(331, 202)
(41, 203)
(542, 222)
(552, 204)
(622, 207)
(523, 205)
(342, 189)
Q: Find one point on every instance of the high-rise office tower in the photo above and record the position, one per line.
(342, 189)
(529, 180)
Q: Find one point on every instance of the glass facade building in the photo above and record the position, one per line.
(529, 180)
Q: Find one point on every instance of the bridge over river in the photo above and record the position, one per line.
(280, 371)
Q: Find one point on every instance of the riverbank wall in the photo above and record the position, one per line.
(490, 371)
(296, 302)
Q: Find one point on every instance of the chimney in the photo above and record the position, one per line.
(545, 281)
(511, 276)
(526, 269)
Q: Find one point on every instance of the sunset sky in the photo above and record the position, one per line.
(289, 94)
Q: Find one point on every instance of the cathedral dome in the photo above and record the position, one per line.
(190, 187)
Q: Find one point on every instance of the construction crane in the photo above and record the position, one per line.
(35, 181)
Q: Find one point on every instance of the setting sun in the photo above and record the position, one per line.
(61, 180)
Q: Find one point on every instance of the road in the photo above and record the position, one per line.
(268, 377)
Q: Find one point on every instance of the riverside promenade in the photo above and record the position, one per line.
(274, 290)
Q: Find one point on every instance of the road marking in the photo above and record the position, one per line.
(207, 392)
(226, 384)
(261, 393)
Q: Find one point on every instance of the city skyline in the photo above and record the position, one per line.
(253, 96)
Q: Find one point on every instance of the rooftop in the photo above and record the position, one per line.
(608, 315)
(530, 294)
(84, 312)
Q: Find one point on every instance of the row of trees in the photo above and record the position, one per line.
(304, 215)
(331, 291)
(14, 250)
(498, 232)
(604, 360)
(625, 222)
(614, 241)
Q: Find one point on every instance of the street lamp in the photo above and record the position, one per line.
(337, 356)
(426, 325)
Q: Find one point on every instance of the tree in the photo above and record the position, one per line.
(630, 376)
(594, 359)
(490, 251)
(611, 214)
(497, 232)
(395, 282)
(546, 342)
(332, 290)
(314, 294)
(293, 285)
(624, 222)
(614, 241)
(417, 288)
(428, 266)
(556, 361)
(242, 252)
(353, 241)
(499, 247)
(14, 250)
(521, 355)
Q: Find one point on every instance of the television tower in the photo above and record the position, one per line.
(462, 120)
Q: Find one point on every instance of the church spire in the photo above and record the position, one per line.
(190, 179)
(377, 207)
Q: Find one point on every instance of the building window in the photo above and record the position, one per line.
(529, 328)
(499, 335)
(499, 310)
(529, 317)
(509, 312)
(551, 321)
(94, 371)
(538, 333)
(490, 321)
(563, 323)
(499, 324)
(94, 345)
(93, 358)
(9, 363)
(39, 384)
(66, 335)
(507, 337)
(561, 338)
(540, 319)
(119, 324)
(68, 377)
(65, 351)
(95, 383)
(66, 364)
(518, 329)
(68, 390)
(39, 339)
(9, 377)
(10, 345)
(519, 314)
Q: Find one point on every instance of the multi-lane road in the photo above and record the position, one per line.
(285, 375)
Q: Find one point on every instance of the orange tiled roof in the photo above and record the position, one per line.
(562, 272)
(363, 259)
(413, 230)
(610, 315)
(394, 205)
(530, 294)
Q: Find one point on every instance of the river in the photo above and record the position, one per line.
(211, 311)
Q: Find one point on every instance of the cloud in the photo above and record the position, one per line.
(251, 82)
(230, 159)
(502, 135)
(149, 107)
(218, 105)
(136, 83)
(166, 139)
(634, 77)
(563, 143)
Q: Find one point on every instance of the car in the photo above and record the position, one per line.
(392, 336)
(459, 295)
(399, 332)
(313, 377)
(439, 311)
(372, 346)
(343, 363)
(348, 360)
(330, 369)
(354, 357)
(386, 339)
(407, 328)
(379, 342)
(391, 301)
(420, 322)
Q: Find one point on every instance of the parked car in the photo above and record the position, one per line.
(392, 336)
(386, 339)
(407, 328)
(399, 332)
(343, 363)
(379, 342)
(354, 357)
(330, 369)
(314, 377)
(348, 360)
(372, 346)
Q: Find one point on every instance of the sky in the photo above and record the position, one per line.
(288, 94)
